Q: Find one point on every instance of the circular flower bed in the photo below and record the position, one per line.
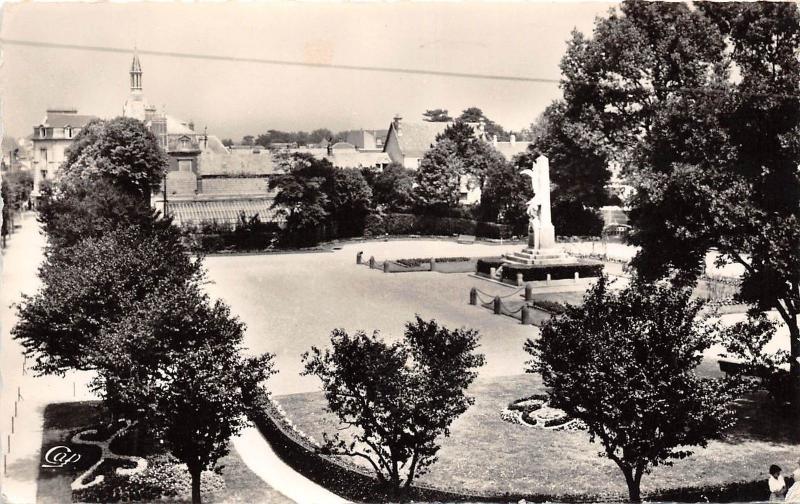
(535, 411)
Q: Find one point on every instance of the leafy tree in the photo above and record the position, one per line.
(94, 283)
(75, 209)
(227, 142)
(303, 194)
(248, 140)
(438, 177)
(398, 398)
(351, 201)
(713, 158)
(15, 190)
(175, 364)
(505, 195)
(477, 156)
(491, 128)
(320, 134)
(624, 364)
(393, 188)
(436, 115)
(122, 151)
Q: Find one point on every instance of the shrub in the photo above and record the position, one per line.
(556, 271)
(405, 224)
(553, 307)
(485, 265)
(374, 226)
(163, 478)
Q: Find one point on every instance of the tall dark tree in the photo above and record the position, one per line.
(714, 159)
(351, 201)
(624, 363)
(174, 363)
(438, 178)
(393, 189)
(397, 400)
(505, 195)
(122, 151)
(477, 156)
(436, 115)
(491, 128)
(94, 283)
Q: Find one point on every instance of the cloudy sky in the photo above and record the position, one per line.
(234, 98)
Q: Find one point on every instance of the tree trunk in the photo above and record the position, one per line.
(196, 472)
(794, 365)
(633, 481)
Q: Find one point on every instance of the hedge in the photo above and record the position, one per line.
(405, 224)
(485, 265)
(556, 271)
(357, 483)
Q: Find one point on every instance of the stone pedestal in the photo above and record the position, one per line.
(545, 234)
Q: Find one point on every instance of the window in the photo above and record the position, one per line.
(43, 154)
(185, 165)
(43, 173)
(41, 132)
(68, 131)
(185, 143)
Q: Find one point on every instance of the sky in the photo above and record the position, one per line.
(236, 98)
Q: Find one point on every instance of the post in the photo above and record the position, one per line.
(386, 266)
(473, 296)
(12, 425)
(492, 272)
(371, 262)
(548, 279)
(15, 408)
(519, 280)
(527, 315)
(433, 264)
(73, 388)
(358, 257)
(9, 444)
(498, 304)
(5, 465)
(528, 292)
(577, 276)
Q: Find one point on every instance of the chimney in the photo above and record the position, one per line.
(513, 138)
(396, 121)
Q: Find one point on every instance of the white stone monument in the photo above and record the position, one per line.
(541, 247)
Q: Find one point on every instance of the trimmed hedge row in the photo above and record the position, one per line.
(355, 483)
(405, 224)
(556, 271)
(484, 266)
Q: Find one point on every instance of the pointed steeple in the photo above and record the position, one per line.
(136, 73)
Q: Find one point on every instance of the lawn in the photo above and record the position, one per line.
(62, 420)
(487, 454)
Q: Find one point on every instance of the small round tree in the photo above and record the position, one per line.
(396, 399)
(624, 364)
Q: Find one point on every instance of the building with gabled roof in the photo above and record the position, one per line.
(50, 141)
(406, 143)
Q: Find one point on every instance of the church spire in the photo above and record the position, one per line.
(136, 73)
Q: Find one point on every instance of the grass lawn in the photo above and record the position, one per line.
(62, 420)
(485, 453)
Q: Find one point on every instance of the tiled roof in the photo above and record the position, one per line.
(236, 163)
(358, 159)
(176, 126)
(58, 120)
(509, 150)
(214, 145)
(416, 138)
(223, 211)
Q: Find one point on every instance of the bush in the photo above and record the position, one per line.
(163, 477)
(556, 271)
(406, 224)
(485, 265)
(553, 307)
(571, 218)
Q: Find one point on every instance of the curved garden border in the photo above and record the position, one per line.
(358, 484)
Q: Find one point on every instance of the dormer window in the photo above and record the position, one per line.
(185, 143)
(42, 131)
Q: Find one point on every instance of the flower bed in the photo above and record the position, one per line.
(552, 307)
(485, 265)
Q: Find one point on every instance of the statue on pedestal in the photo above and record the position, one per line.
(539, 206)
